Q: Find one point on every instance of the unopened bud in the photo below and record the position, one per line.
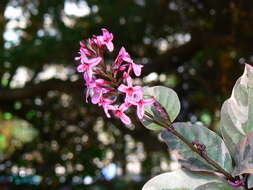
(199, 146)
(161, 110)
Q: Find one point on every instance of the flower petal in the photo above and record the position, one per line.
(140, 112)
(77, 58)
(94, 61)
(96, 96)
(110, 46)
(111, 107)
(122, 88)
(129, 81)
(125, 119)
(107, 35)
(106, 111)
(89, 74)
(109, 101)
(138, 88)
(81, 68)
(123, 107)
(137, 69)
(127, 59)
(148, 101)
(87, 94)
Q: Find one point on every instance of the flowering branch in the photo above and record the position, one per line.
(112, 88)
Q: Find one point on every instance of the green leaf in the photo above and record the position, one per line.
(237, 111)
(3, 141)
(167, 98)
(180, 180)
(244, 155)
(215, 147)
(250, 181)
(217, 186)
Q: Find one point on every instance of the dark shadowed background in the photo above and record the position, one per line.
(51, 139)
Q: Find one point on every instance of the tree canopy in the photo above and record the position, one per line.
(49, 133)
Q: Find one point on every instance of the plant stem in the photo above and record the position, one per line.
(171, 129)
(168, 125)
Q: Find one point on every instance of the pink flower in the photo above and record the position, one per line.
(105, 39)
(119, 112)
(105, 103)
(97, 86)
(120, 68)
(129, 89)
(90, 84)
(136, 68)
(124, 56)
(108, 37)
(97, 94)
(98, 90)
(87, 51)
(87, 64)
(140, 103)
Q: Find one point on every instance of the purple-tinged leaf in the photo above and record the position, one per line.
(215, 148)
(244, 155)
(217, 186)
(237, 111)
(180, 180)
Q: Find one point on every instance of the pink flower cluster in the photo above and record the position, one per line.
(111, 86)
